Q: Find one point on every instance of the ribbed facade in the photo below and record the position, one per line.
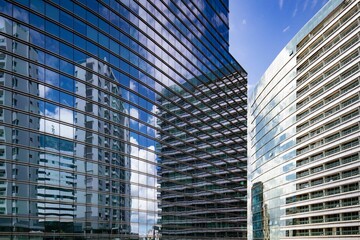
(304, 161)
(204, 178)
(106, 106)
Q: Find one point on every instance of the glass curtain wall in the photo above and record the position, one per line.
(98, 99)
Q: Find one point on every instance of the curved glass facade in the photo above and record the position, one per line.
(120, 120)
(304, 133)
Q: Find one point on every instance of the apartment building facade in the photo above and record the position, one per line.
(304, 133)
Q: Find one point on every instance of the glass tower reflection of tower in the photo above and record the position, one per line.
(103, 104)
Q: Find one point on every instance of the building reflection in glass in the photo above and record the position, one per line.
(260, 214)
(82, 145)
(18, 164)
(78, 180)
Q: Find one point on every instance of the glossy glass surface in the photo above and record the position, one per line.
(120, 120)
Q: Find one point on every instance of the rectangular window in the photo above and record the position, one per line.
(351, 216)
(332, 97)
(317, 118)
(332, 151)
(350, 187)
(350, 144)
(332, 137)
(350, 130)
(317, 194)
(332, 218)
(332, 124)
(317, 182)
(317, 206)
(332, 204)
(350, 115)
(350, 201)
(332, 191)
(350, 158)
(332, 164)
(317, 232)
(317, 219)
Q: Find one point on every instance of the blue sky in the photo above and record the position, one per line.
(260, 29)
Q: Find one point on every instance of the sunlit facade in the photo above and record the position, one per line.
(304, 151)
(97, 99)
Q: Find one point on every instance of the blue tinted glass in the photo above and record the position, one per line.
(37, 21)
(80, 42)
(66, 35)
(79, 11)
(66, 19)
(52, 12)
(37, 5)
(52, 61)
(66, 51)
(66, 83)
(91, 48)
(66, 99)
(20, 14)
(79, 56)
(52, 94)
(80, 27)
(52, 44)
(91, 33)
(51, 77)
(66, 67)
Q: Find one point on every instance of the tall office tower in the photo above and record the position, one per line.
(104, 105)
(204, 176)
(304, 133)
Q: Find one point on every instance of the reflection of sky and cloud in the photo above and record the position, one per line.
(56, 128)
(140, 175)
(143, 166)
(64, 106)
(56, 112)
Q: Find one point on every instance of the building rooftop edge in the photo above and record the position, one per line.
(290, 47)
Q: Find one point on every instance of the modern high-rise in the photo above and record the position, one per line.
(209, 195)
(120, 120)
(304, 151)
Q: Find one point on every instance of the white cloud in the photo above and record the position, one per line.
(286, 29)
(43, 90)
(305, 4)
(152, 120)
(134, 113)
(314, 2)
(136, 190)
(56, 128)
(132, 85)
(295, 10)
(281, 3)
(66, 115)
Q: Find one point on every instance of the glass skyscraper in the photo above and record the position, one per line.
(304, 133)
(209, 195)
(120, 120)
